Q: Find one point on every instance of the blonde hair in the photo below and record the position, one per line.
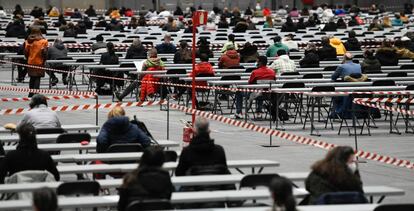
(116, 112)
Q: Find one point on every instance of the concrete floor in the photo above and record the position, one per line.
(244, 144)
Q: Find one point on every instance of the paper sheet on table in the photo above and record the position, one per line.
(138, 64)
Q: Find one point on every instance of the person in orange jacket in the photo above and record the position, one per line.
(338, 45)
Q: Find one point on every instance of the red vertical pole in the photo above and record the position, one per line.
(193, 93)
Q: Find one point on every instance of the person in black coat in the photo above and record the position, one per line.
(136, 50)
(337, 172)
(326, 52)
(16, 29)
(311, 58)
(223, 24)
(148, 181)
(27, 156)
(248, 54)
(330, 26)
(183, 55)
(340, 24)
(202, 153)
(289, 26)
(108, 58)
(370, 64)
(386, 54)
(352, 44)
(301, 24)
(204, 48)
(90, 12)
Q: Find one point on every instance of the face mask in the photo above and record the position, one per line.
(353, 167)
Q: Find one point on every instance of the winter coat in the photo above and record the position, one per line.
(119, 130)
(404, 53)
(150, 64)
(371, 65)
(15, 30)
(311, 59)
(35, 50)
(330, 27)
(272, 50)
(204, 68)
(249, 54)
(201, 152)
(387, 56)
(338, 45)
(326, 53)
(352, 44)
(164, 48)
(136, 52)
(229, 59)
(145, 183)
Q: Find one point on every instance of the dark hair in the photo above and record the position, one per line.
(261, 61)
(99, 38)
(281, 52)
(351, 34)
(399, 43)
(45, 199)
(111, 48)
(27, 136)
(277, 38)
(325, 41)
(282, 193)
(153, 157)
(1, 8)
(334, 167)
(37, 100)
(204, 57)
(231, 37)
(369, 53)
(386, 43)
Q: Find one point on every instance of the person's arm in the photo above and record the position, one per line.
(337, 73)
(142, 138)
(252, 78)
(220, 62)
(183, 165)
(176, 58)
(58, 124)
(51, 167)
(102, 142)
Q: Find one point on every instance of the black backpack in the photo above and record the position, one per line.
(141, 125)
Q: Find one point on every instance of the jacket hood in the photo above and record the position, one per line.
(386, 49)
(60, 46)
(202, 144)
(32, 38)
(232, 54)
(118, 125)
(335, 41)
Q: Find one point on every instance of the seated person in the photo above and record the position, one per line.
(283, 63)
(100, 44)
(386, 54)
(375, 25)
(402, 51)
(183, 55)
(330, 26)
(166, 47)
(397, 21)
(311, 58)
(153, 63)
(290, 43)
(338, 45)
(204, 67)
(229, 59)
(136, 50)
(352, 44)
(248, 53)
(204, 48)
(326, 52)
(27, 156)
(57, 51)
(202, 153)
(148, 181)
(370, 64)
(289, 26)
(261, 73)
(273, 49)
(230, 42)
(108, 58)
(282, 194)
(347, 68)
(39, 116)
(118, 130)
(337, 172)
(341, 24)
(45, 199)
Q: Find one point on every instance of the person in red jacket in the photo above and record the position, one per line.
(203, 68)
(230, 58)
(261, 73)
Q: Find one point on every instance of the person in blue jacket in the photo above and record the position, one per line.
(119, 130)
(397, 21)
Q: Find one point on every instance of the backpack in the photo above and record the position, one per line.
(141, 125)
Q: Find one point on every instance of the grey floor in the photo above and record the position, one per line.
(244, 144)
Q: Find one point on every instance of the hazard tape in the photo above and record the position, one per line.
(293, 138)
(384, 107)
(217, 87)
(85, 107)
(45, 91)
(65, 97)
(387, 100)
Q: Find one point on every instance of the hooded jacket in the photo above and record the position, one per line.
(145, 183)
(337, 44)
(272, 50)
(405, 53)
(204, 68)
(16, 29)
(327, 52)
(57, 51)
(229, 59)
(352, 44)
(387, 56)
(249, 54)
(311, 59)
(371, 65)
(35, 49)
(118, 130)
(166, 48)
(201, 152)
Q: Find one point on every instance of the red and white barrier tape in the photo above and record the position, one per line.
(293, 138)
(85, 107)
(65, 97)
(45, 91)
(387, 100)
(383, 107)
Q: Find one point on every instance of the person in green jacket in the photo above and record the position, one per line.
(272, 50)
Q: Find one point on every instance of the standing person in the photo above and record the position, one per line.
(35, 52)
(337, 172)
(45, 199)
(27, 156)
(282, 194)
(147, 89)
(148, 181)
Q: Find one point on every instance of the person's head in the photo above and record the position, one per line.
(153, 156)
(281, 52)
(170, 19)
(289, 20)
(369, 53)
(231, 37)
(351, 34)
(338, 163)
(45, 199)
(27, 135)
(386, 43)
(76, 10)
(282, 193)
(37, 100)
(201, 127)
(57, 42)
(35, 31)
(18, 7)
(397, 16)
(325, 41)
(311, 47)
(99, 38)
(134, 20)
(116, 112)
(204, 57)
(167, 38)
(152, 53)
(136, 42)
(340, 20)
(277, 39)
(262, 61)
(399, 43)
(184, 45)
(348, 57)
(90, 6)
(110, 47)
